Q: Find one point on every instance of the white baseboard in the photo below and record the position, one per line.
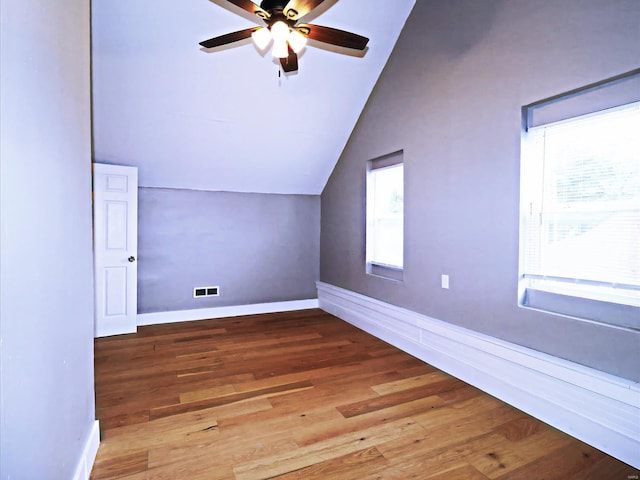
(108, 332)
(600, 409)
(222, 312)
(83, 470)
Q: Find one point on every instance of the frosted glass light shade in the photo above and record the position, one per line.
(279, 31)
(261, 37)
(280, 48)
(297, 40)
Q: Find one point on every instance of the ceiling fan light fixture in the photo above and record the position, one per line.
(296, 40)
(261, 37)
(281, 28)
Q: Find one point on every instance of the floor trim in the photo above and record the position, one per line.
(156, 318)
(89, 452)
(600, 409)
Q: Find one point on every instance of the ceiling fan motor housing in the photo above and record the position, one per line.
(269, 5)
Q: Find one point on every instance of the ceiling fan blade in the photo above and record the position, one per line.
(334, 36)
(228, 38)
(290, 63)
(301, 7)
(250, 7)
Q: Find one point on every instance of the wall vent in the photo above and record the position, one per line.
(206, 292)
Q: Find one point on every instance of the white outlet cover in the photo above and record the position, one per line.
(445, 281)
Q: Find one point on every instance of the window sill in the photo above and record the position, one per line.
(385, 271)
(599, 311)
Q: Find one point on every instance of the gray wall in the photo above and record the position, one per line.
(256, 247)
(46, 280)
(450, 96)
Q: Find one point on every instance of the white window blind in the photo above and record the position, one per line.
(580, 213)
(385, 214)
(580, 203)
(584, 209)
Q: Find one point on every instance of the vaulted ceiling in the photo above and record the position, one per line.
(227, 119)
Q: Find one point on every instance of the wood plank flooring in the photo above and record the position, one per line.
(304, 395)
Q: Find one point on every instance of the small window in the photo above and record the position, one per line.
(580, 216)
(385, 216)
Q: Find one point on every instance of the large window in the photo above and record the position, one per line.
(385, 216)
(580, 215)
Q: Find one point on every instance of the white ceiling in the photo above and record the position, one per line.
(224, 120)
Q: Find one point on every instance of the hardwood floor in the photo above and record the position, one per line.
(304, 395)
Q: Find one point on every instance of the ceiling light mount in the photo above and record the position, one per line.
(273, 4)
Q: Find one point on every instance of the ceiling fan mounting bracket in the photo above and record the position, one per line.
(303, 29)
(273, 4)
(279, 16)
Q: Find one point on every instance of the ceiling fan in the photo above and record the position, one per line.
(283, 30)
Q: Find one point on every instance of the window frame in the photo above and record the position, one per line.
(373, 267)
(593, 301)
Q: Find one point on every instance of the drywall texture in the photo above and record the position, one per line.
(450, 97)
(256, 247)
(46, 281)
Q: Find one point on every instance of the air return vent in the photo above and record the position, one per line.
(206, 292)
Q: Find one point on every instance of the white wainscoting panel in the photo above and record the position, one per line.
(222, 312)
(600, 409)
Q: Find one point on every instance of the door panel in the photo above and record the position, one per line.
(116, 226)
(115, 217)
(115, 287)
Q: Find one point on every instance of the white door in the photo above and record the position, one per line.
(115, 231)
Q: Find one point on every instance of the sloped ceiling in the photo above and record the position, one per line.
(225, 120)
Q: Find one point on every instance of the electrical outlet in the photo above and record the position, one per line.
(206, 292)
(445, 281)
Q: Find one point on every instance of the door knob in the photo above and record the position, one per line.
(132, 259)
